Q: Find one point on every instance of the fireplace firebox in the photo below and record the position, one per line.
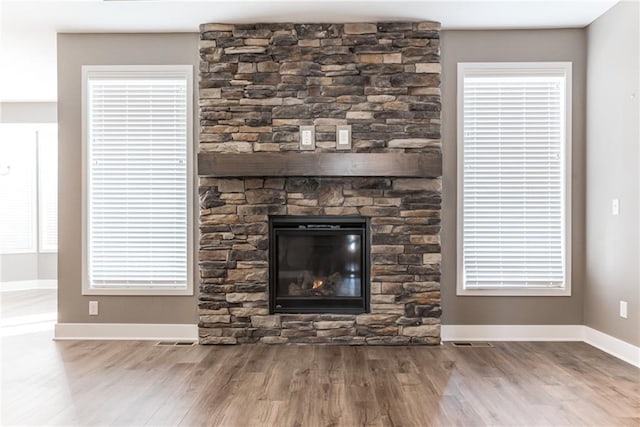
(318, 264)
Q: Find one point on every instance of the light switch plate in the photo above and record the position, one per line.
(343, 137)
(615, 207)
(307, 138)
(623, 309)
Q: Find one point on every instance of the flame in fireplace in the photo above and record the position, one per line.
(317, 283)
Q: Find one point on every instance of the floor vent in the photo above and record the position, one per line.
(175, 343)
(472, 344)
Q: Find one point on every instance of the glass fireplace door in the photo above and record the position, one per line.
(319, 268)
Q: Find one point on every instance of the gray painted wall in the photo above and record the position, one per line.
(28, 112)
(43, 266)
(506, 46)
(18, 267)
(75, 50)
(613, 116)
(48, 266)
(32, 266)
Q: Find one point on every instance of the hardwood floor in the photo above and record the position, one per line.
(136, 383)
(128, 383)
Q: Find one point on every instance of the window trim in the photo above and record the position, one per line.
(509, 68)
(146, 71)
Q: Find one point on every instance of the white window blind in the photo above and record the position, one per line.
(137, 178)
(48, 187)
(18, 206)
(513, 161)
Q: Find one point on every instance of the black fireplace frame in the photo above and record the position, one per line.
(317, 224)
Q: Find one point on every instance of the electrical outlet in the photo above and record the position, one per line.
(615, 207)
(623, 309)
(93, 308)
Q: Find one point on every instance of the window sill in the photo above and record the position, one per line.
(139, 291)
(514, 292)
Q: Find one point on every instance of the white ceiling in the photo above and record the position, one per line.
(28, 28)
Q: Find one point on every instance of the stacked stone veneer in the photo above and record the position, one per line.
(258, 84)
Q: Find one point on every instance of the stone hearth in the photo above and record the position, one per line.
(259, 83)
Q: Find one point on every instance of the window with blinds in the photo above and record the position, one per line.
(28, 188)
(513, 178)
(18, 189)
(138, 167)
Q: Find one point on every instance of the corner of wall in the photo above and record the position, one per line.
(613, 156)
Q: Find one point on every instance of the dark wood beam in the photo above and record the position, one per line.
(427, 164)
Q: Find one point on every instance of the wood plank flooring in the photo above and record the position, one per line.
(139, 384)
(127, 383)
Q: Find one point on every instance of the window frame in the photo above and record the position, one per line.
(148, 72)
(512, 68)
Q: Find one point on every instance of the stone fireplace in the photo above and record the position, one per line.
(367, 221)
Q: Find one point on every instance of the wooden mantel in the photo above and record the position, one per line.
(424, 165)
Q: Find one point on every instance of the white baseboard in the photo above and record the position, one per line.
(512, 332)
(614, 346)
(186, 332)
(25, 285)
(126, 331)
